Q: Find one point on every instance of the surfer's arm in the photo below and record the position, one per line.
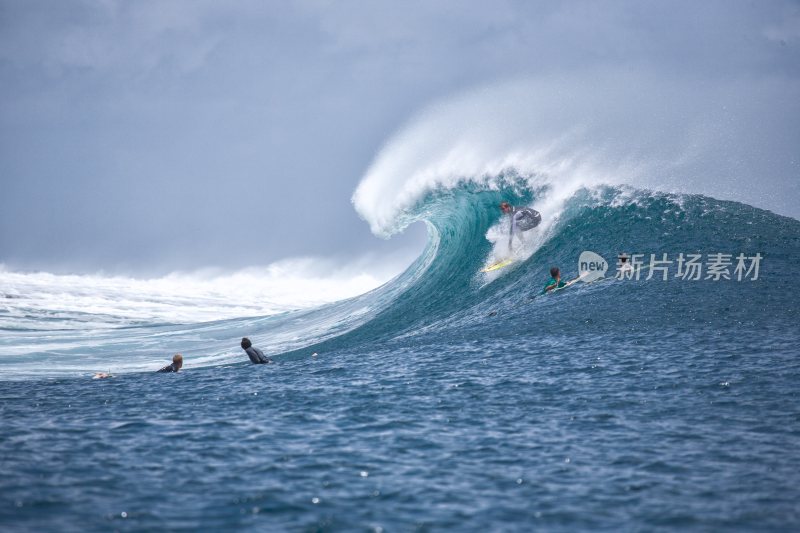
(512, 229)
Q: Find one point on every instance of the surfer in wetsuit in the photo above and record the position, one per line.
(177, 363)
(256, 356)
(522, 219)
(556, 282)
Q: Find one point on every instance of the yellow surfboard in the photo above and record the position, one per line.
(498, 265)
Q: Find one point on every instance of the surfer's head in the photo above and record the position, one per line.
(505, 207)
(177, 360)
(555, 273)
(246, 343)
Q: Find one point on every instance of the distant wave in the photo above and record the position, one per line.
(52, 325)
(81, 301)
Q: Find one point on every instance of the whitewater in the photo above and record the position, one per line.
(437, 396)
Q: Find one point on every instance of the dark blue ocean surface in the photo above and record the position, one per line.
(619, 405)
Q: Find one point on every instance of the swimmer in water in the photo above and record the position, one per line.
(556, 282)
(256, 356)
(175, 366)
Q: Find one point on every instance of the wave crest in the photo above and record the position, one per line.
(562, 134)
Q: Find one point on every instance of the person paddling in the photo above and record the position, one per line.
(256, 356)
(556, 282)
(177, 363)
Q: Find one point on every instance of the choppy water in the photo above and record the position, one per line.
(444, 399)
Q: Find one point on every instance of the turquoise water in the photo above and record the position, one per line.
(445, 399)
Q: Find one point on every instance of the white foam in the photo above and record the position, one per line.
(475, 137)
(564, 133)
(97, 301)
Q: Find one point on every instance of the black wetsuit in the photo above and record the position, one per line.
(169, 368)
(256, 356)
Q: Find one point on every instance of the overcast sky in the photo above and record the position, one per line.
(145, 136)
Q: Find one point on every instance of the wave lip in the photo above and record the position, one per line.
(563, 134)
(446, 151)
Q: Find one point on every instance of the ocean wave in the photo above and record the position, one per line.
(442, 290)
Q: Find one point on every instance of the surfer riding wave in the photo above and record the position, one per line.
(522, 219)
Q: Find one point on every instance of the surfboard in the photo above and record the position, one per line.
(568, 284)
(572, 282)
(498, 265)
